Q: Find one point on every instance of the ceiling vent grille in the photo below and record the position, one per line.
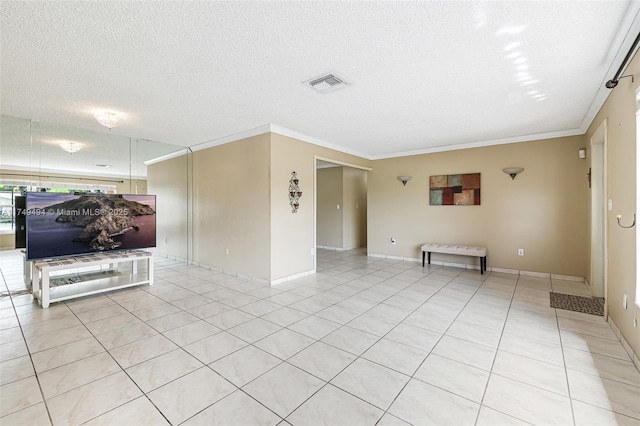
(326, 83)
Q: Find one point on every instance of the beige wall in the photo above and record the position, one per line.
(232, 207)
(292, 235)
(620, 112)
(541, 211)
(354, 202)
(241, 203)
(7, 241)
(346, 227)
(169, 182)
(329, 224)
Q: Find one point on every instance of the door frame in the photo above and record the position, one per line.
(599, 210)
(315, 196)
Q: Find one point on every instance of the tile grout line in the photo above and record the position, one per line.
(504, 325)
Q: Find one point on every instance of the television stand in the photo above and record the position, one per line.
(87, 283)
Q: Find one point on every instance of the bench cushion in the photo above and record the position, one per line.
(455, 249)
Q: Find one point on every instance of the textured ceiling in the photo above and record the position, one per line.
(423, 76)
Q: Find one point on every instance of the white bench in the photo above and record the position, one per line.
(480, 252)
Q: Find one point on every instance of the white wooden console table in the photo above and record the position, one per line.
(41, 270)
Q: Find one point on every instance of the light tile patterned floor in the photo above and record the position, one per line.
(364, 341)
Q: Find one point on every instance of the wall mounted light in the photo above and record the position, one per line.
(513, 171)
(108, 119)
(70, 146)
(404, 179)
(582, 153)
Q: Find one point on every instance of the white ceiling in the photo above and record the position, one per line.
(424, 76)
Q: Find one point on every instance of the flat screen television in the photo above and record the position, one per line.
(73, 224)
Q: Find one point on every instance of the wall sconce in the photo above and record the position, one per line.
(294, 193)
(513, 171)
(404, 179)
(582, 153)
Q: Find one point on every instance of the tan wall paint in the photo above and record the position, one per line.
(541, 211)
(343, 228)
(620, 112)
(232, 206)
(7, 241)
(292, 235)
(355, 208)
(168, 181)
(329, 224)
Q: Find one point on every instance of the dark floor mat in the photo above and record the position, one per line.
(569, 302)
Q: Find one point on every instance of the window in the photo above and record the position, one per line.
(7, 209)
(10, 190)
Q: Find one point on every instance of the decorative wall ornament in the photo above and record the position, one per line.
(458, 190)
(294, 193)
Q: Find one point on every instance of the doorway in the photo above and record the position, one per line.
(340, 205)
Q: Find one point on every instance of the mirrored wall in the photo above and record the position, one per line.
(45, 157)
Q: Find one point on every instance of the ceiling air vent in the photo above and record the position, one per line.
(326, 83)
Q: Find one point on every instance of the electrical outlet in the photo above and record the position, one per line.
(624, 301)
(226, 251)
(520, 252)
(337, 206)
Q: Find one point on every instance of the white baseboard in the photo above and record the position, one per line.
(385, 256)
(336, 248)
(625, 344)
(293, 277)
(477, 267)
(168, 256)
(332, 248)
(569, 278)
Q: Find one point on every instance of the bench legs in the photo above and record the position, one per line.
(423, 253)
(483, 261)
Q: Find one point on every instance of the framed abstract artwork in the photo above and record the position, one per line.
(454, 190)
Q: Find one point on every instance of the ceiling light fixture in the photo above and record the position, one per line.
(70, 146)
(513, 171)
(108, 119)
